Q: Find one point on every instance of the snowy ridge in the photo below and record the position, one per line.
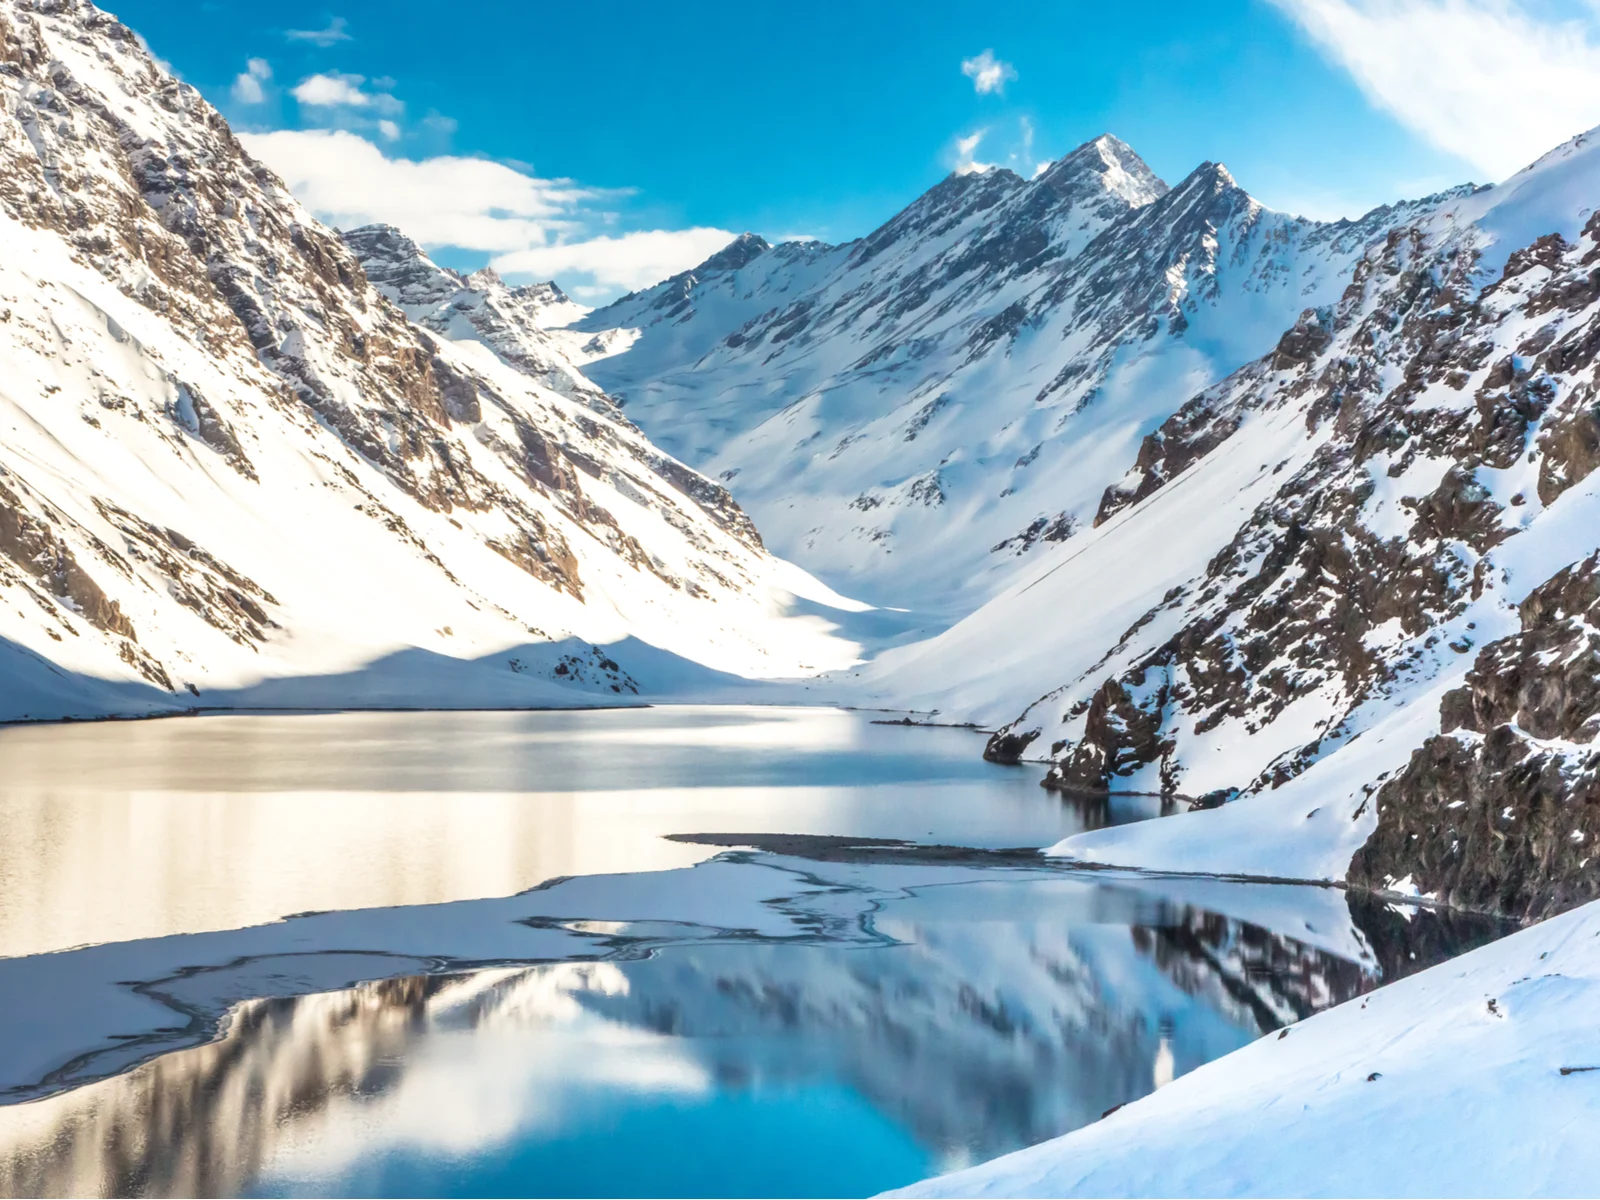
(227, 460)
(917, 411)
(481, 307)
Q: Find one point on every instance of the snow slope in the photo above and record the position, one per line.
(1458, 1081)
(228, 463)
(924, 411)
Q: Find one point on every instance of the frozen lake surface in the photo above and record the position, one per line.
(504, 978)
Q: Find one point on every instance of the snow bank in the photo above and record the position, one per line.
(1449, 1083)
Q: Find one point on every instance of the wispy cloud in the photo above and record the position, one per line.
(988, 73)
(966, 148)
(627, 261)
(528, 225)
(471, 203)
(336, 30)
(1492, 81)
(247, 87)
(1022, 160)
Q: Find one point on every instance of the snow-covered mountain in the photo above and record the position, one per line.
(1382, 529)
(916, 411)
(511, 321)
(1226, 504)
(1231, 500)
(227, 459)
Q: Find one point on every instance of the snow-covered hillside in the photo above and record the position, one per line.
(924, 411)
(511, 321)
(231, 471)
(1475, 1078)
(1288, 590)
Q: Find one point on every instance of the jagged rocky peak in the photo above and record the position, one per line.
(547, 294)
(480, 307)
(940, 209)
(1110, 163)
(735, 254)
(544, 303)
(1207, 187)
(1022, 223)
(399, 268)
(402, 270)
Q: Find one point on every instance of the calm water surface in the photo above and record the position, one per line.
(654, 1017)
(111, 831)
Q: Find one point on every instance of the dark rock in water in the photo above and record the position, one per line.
(1121, 734)
(1501, 811)
(1005, 747)
(1213, 799)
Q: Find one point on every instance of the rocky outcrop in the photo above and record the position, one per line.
(29, 542)
(1008, 748)
(1501, 811)
(1122, 732)
(481, 307)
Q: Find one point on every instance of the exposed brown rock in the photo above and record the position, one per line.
(30, 543)
(1008, 748)
(1121, 734)
(1501, 811)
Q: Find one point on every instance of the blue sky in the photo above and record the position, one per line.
(609, 145)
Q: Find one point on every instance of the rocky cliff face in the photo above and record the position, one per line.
(927, 410)
(1501, 810)
(227, 456)
(481, 307)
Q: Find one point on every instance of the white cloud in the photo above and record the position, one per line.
(472, 203)
(627, 261)
(1487, 80)
(335, 31)
(247, 84)
(988, 74)
(965, 164)
(531, 226)
(390, 130)
(332, 91)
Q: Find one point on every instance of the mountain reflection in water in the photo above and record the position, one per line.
(977, 1019)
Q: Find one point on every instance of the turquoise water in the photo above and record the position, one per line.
(822, 1140)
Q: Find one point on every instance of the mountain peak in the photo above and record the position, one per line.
(1210, 176)
(1110, 163)
(398, 267)
(735, 254)
(379, 238)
